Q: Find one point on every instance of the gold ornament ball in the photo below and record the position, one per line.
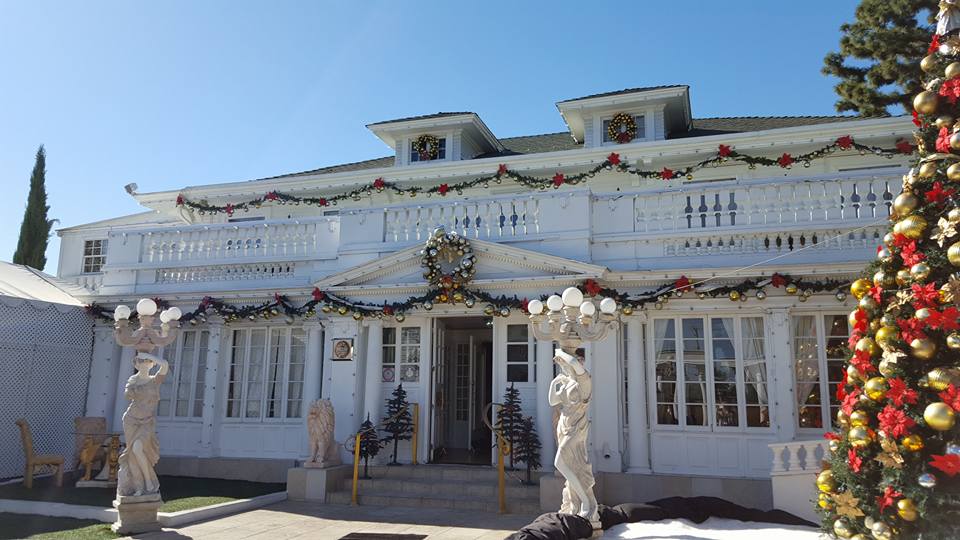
(859, 418)
(869, 346)
(953, 216)
(929, 63)
(907, 510)
(905, 203)
(941, 378)
(860, 288)
(868, 304)
(953, 341)
(859, 536)
(342, 310)
(925, 102)
(852, 318)
(912, 227)
(824, 501)
(939, 416)
(888, 239)
(825, 481)
(920, 271)
(886, 334)
(859, 436)
(734, 295)
(875, 388)
(792, 288)
(880, 276)
(833, 446)
(853, 374)
(922, 314)
(929, 169)
(953, 254)
(954, 141)
(953, 70)
(912, 443)
(842, 529)
(886, 368)
(843, 418)
(627, 310)
(884, 255)
(943, 121)
(903, 277)
(881, 531)
(923, 348)
(953, 172)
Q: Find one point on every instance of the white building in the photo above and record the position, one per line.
(687, 394)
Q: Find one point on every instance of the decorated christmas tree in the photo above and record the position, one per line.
(896, 448)
(510, 419)
(527, 447)
(369, 444)
(398, 424)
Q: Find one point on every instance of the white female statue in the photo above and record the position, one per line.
(136, 475)
(571, 390)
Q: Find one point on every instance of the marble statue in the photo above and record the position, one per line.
(571, 391)
(136, 476)
(320, 423)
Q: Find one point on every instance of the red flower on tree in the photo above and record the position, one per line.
(951, 90)
(854, 460)
(895, 422)
(943, 140)
(845, 142)
(900, 241)
(876, 293)
(910, 255)
(778, 280)
(501, 169)
(860, 320)
(911, 329)
(666, 174)
(850, 401)
(613, 158)
(443, 189)
(831, 436)
(379, 183)
(951, 397)
(904, 146)
(180, 200)
(899, 394)
(926, 295)
(949, 464)
(785, 160)
(937, 194)
(842, 387)
(946, 320)
(724, 150)
(318, 295)
(861, 361)
(592, 287)
(888, 498)
(558, 179)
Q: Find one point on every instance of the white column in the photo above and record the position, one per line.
(783, 407)
(639, 438)
(313, 369)
(372, 370)
(101, 386)
(209, 443)
(605, 406)
(548, 443)
(124, 371)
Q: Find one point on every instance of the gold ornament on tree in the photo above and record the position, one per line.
(890, 456)
(939, 416)
(847, 505)
(945, 229)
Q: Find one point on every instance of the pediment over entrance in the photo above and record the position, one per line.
(498, 266)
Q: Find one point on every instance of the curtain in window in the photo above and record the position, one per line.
(805, 356)
(754, 361)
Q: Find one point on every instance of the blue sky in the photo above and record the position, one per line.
(175, 93)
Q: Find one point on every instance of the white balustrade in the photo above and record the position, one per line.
(798, 457)
(234, 272)
(494, 218)
(91, 282)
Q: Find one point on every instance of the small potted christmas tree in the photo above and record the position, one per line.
(510, 419)
(527, 447)
(398, 424)
(369, 444)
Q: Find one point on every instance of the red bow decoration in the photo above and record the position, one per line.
(229, 209)
(666, 174)
(724, 150)
(845, 142)
(778, 280)
(180, 200)
(785, 160)
(379, 183)
(318, 295)
(624, 137)
(443, 189)
(949, 464)
(501, 170)
(592, 287)
(523, 305)
(558, 179)
(613, 158)
(895, 422)
(682, 284)
(904, 146)
(899, 394)
(276, 298)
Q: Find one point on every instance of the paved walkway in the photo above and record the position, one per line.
(293, 519)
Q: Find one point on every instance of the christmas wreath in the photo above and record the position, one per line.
(454, 252)
(427, 147)
(623, 128)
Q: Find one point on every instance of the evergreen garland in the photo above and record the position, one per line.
(398, 423)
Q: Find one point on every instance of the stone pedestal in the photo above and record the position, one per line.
(312, 484)
(136, 514)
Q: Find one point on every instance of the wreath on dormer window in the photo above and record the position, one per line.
(427, 147)
(622, 128)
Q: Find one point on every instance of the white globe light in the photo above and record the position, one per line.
(165, 316)
(608, 305)
(146, 306)
(588, 309)
(535, 307)
(572, 297)
(175, 313)
(554, 303)
(122, 313)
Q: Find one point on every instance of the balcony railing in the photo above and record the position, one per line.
(489, 219)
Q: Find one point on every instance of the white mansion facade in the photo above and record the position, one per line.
(699, 385)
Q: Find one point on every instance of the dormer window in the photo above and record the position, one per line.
(619, 129)
(428, 148)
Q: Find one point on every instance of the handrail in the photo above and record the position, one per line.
(378, 427)
(503, 450)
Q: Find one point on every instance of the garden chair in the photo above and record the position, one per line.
(34, 461)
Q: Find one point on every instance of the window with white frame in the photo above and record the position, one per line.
(520, 358)
(639, 136)
(401, 356)
(710, 372)
(266, 377)
(181, 394)
(819, 347)
(94, 256)
(441, 150)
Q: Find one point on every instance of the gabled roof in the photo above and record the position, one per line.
(626, 91)
(421, 117)
(19, 281)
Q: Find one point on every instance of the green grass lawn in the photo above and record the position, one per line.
(178, 492)
(52, 528)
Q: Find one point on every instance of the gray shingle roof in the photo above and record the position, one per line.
(703, 127)
(627, 91)
(421, 117)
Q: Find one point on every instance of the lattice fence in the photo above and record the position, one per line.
(45, 352)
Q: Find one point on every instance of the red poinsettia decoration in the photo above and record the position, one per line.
(946, 320)
(666, 174)
(889, 498)
(876, 293)
(899, 394)
(682, 284)
(949, 464)
(951, 90)
(387, 310)
(904, 146)
(943, 141)
(911, 329)
(860, 320)
(443, 189)
(613, 158)
(850, 401)
(179, 200)
(934, 44)
(937, 194)
(951, 396)
(379, 183)
(229, 209)
(724, 151)
(854, 461)
(861, 361)
(926, 295)
(831, 436)
(778, 280)
(910, 255)
(853, 339)
(592, 287)
(895, 422)
(916, 119)
(842, 387)
(272, 196)
(322, 201)
(845, 142)
(558, 179)
(318, 295)
(785, 160)
(900, 241)
(501, 169)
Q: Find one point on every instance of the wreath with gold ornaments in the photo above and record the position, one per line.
(448, 260)
(427, 147)
(622, 128)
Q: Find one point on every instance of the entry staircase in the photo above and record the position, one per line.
(460, 487)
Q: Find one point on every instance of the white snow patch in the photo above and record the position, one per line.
(711, 529)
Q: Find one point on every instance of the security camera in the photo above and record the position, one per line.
(131, 188)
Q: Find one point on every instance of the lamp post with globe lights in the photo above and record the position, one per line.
(571, 320)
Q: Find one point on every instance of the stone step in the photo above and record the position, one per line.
(444, 472)
(522, 506)
(439, 488)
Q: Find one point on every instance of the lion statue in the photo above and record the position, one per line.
(324, 451)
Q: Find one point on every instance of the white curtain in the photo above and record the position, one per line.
(754, 359)
(660, 330)
(805, 355)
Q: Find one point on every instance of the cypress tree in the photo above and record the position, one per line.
(879, 53)
(35, 229)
